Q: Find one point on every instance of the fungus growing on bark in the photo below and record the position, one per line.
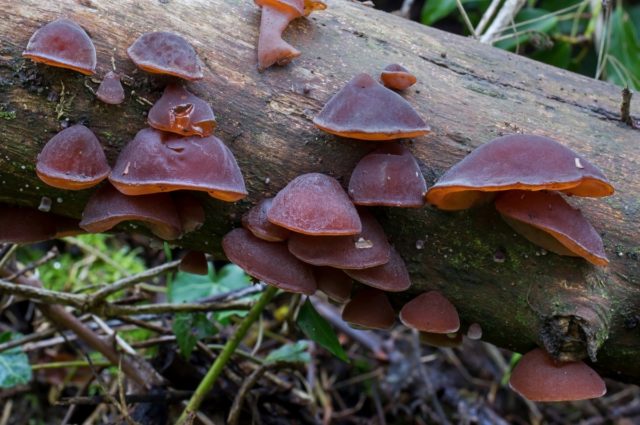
(155, 161)
(365, 109)
(255, 220)
(64, 44)
(547, 220)
(107, 207)
(270, 262)
(73, 159)
(397, 77)
(334, 283)
(190, 211)
(367, 249)
(517, 161)
(180, 111)
(194, 262)
(166, 53)
(391, 277)
(388, 177)
(369, 308)
(538, 377)
(315, 204)
(25, 225)
(430, 312)
(110, 90)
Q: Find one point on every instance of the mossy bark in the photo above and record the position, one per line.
(469, 93)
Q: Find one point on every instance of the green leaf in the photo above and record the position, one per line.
(316, 328)
(559, 55)
(189, 328)
(623, 61)
(292, 353)
(434, 10)
(529, 30)
(14, 364)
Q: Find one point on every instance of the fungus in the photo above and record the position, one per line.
(107, 207)
(388, 177)
(391, 277)
(73, 159)
(367, 249)
(194, 262)
(474, 331)
(64, 44)
(255, 220)
(538, 377)
(166, 53)
(270, 262)
(180, 111)
(547, 220)
(334, 283)
(25, 225)
(66, 226)
(364, 109)
(315, 204)
(190, 211)
(517, 161)
(155, 161)
(110, 90)
(397, 77)
(430, 312)
(451, 340)
(369, 308)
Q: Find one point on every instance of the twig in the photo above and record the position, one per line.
(121, 342)
(6, 256)
(168, 396)
(126, 310)
(50, 255)
(507, 12)
(6, 412)
(466, 19)
(40, 294)
(488, 14)
(97, 253)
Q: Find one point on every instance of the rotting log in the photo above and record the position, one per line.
(469, 93)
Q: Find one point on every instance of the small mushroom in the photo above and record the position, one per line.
(547, 220)
(397, 77)
(190, 211)
(155, 161)
(334, 283)
(107, 207)
(110, 90)
(64, 44)
(388, 177)
(255, 220)
(391, 277)
(365, 109)
(180, 111)
(315, 204)
(369, 308)
(517, 162)
(194, 262)
(430, 312)
(73, 159)
(166, 53)
(538, 377)
(270, 262)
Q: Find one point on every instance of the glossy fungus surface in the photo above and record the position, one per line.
(107, 207)
(547, 220)
(388, 177)
(166, 53)
(517, 161)
(255, 220)
(538, 377)
(364, 250)
(391, 277)
(73, 159)
(270, 262)
(369, 308)
(194, 262)
(430, 312)
(364, 109)
(180, 111)
(110, 90)
(64, 44)
(315, 204)
(155, 161)
(334, 283)
(190, 211)
(25, 225)
(397, 77)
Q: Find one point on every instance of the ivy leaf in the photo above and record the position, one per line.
(292, 353)
(14, 364)
(315, 327)
(189, 328)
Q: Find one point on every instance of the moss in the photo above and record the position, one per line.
(7, 115)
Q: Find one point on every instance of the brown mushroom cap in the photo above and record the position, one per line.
(364, 250)
(270, 262)
(369, 308)
(391, 277)
(538, 377)
(155, 161)
(255, 220)
(517, 161)
(107, 207)
(315, 204)
(547, 220)
(73, 159)
(180, 111)
(364, 109)
(24, 225)
(64, 44)
(397, 77)
(190, 211)
(110, 90)
(194, 262)
(388, 177)
(166, 53)
(272, 49)
(334, 283)
(430, 312)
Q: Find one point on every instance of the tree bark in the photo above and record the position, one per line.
(468, 92)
